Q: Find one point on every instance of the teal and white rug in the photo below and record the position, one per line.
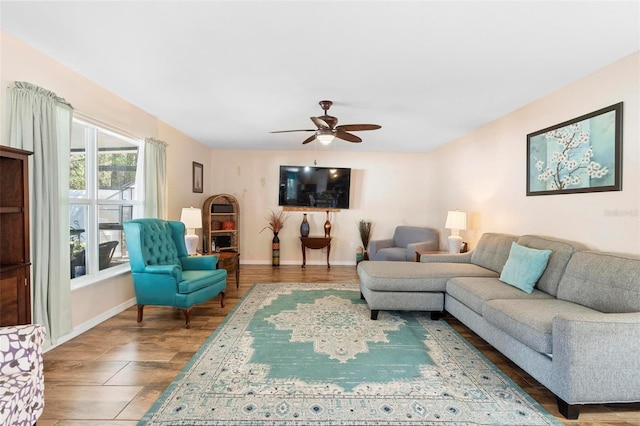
(308, 354)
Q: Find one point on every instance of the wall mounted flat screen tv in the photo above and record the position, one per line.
(310, 186)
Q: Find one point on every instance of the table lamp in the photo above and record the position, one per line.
(192, 219)
(456, 220)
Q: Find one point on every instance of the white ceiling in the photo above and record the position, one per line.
(227, 73)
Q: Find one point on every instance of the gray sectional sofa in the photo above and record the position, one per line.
(577, 332)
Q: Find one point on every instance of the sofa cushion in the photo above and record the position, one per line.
(530, 321)
(492, 251)
(415, 276)
(524, 266)
(607, 282)
(561, 252)
(474, 291)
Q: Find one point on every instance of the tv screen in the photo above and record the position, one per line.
(310, 186)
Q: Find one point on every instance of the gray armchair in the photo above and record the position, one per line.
(404, 244)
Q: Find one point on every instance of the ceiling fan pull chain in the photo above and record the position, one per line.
(315, 152)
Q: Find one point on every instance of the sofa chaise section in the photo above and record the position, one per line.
(404, 286)
(420, 286)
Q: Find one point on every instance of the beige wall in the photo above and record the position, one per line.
(484, 171)
(385, 187)
(20, 62)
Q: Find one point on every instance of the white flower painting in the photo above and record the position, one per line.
(582, 155)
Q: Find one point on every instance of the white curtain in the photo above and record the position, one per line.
(40, 121)
(155, 178)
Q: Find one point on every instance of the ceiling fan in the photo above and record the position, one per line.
(327, 130)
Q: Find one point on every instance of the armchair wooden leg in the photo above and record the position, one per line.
(140, 308)
(187, 317)
(222, 299)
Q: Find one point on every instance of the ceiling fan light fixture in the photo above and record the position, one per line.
(325, 136)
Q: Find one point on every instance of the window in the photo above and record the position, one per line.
(103, 166)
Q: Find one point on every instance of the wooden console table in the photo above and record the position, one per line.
(315, 243)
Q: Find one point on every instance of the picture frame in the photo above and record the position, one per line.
(577, 156)
(198, 177)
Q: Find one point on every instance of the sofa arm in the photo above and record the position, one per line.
(172, 270)
(596, 358)
(199, 262)
(422, 246)
(446, 258)
(376, 245)
(413, 248)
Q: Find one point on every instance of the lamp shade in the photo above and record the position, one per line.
(191, 217)
(456, 220)
(325, 136)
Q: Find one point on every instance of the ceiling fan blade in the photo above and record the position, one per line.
(288, 131)
(355, 127)
(341, 134)
(309, 139)
(320, 123)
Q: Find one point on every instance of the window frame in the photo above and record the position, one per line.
(93, 203)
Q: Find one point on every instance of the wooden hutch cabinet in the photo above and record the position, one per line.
(15, 262)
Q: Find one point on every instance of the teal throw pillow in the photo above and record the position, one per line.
(524, 267)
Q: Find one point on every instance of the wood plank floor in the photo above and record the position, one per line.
(113, 373)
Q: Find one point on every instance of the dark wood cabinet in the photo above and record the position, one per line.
(15, 262)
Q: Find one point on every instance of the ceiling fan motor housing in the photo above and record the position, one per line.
(325, 105)
(331, 121)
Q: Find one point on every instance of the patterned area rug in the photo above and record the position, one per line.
(308, 354)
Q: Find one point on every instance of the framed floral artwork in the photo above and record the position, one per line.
(579, 155)
(198, 176)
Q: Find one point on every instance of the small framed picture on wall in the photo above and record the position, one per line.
(198, 175)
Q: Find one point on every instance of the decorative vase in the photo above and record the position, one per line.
(304, 226)
(327, 227)
(275, 250)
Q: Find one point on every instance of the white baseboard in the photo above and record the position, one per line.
(88, 325)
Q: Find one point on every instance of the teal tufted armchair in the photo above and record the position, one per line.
(163, 273)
